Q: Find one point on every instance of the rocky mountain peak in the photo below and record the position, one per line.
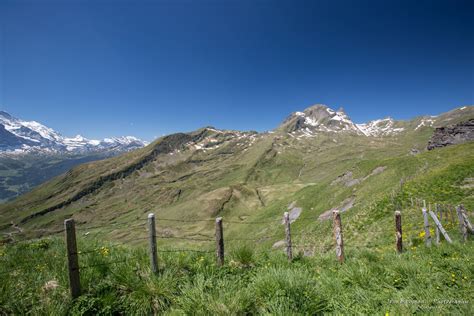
(318, 118)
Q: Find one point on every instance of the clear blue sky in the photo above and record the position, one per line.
(148, 68)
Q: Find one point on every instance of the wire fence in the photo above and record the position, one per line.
(273, 229)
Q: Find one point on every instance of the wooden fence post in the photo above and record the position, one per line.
(338, 236)
(289, 246)
(426, 225)
(466, 219)
(152, 239)
(72, 258)
(462, 224)
(219, 242)
(398, 231)
(440, 228)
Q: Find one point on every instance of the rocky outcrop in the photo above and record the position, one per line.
(452, 135)
(348, 180)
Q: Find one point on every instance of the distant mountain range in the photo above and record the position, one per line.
(31, 153)
(20, 137)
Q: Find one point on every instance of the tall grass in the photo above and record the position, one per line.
(119, 281)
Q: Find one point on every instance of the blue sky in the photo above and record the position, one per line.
(148, 68)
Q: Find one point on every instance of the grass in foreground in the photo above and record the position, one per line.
(118, 281)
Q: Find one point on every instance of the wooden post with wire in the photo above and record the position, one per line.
(338, 236)
(466, 219)
(398, 231)
(426, 225)
(72, 258)
(462, 224)
(289, 246)
(152, 240)
(219, 242)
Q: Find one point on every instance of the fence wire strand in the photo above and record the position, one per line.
(184, 250)
(184, 238)
(411, 230)
(103, 264)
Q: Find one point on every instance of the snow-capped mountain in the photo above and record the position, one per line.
(319, 119)
(18, 136)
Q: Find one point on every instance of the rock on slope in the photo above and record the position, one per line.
(453, 134)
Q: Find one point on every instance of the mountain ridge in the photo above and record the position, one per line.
(321, 118)
(20, 137)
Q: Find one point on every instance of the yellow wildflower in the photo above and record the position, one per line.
(104, 251)
(40, 267)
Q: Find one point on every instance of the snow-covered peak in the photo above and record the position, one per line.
(124, 140)
(381, 127)
(319, 118)
(45, 132)
(78, 138)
